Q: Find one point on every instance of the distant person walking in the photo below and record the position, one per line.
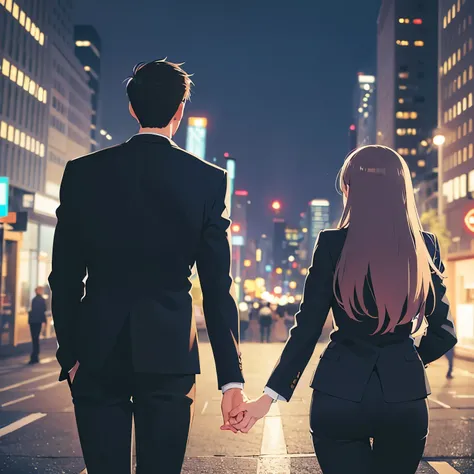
(36, 318)
(450, 356)
(265, 317)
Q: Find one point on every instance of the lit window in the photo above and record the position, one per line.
(403, 75)
(33, 29)
(16, 11)
(459, 132)
(32, 88)
(417, 21)
(37, 149)
(26, 85)
(401, 20)
(413, 151)
(402, 87)
(464, 154)
(9, 5)
(445, 67)
(454, 111)
(454, 59)
(459, 108)
(459, 54)
(470, 125)
(3, 130)
(454, 11)
(22, 18)
(22, 139)
(459, 81)
(41, 39)
(28, 24)
(464, 129)
(37, 35)
(421, 163)
(401, 100)
(450, 115)
(471, 181)
(445, 23)
(464, 77)
(413, 115)
(471, 150)
(20, 78)
(464, 104)
(41, 153)
(40, 94)
(470, 72)
(449, 16)
(45, 93)
(401, 131)
(448, 190)
(456, 187)
(403, 43)
(28, 143)
(5, 67)
(470, 100)
(459, 5)
(413, 174)
(419, 43)
(449, 63)
(13, 73)
(16, 140)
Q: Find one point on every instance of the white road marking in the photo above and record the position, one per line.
(443, 467)
(204, 408)
(27, 381)
(18, 400)
(444, 405)
(464, 372)
(273, 444)
(49, 385)
(47, 360)
(20, 423)
(463, 396)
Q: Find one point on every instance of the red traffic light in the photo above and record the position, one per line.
(235, 227)
(226, 155)
(352, 127)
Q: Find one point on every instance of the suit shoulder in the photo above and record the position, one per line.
(201, 165)
(95, 156)
(334, 233)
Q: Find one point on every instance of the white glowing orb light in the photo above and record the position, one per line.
(277, 290)
(243, 306)
(439, 140)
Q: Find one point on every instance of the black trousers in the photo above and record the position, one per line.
(265, 328)
(35, 330)
(161, 406)
(342, 430)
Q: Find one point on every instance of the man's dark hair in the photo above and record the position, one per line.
(155, 90)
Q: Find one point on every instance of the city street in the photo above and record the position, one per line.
(37, 430)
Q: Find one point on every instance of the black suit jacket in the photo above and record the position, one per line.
(351, 356)
(136, 218)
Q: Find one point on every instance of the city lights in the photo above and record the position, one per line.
(235, 228)
(439, 140)
(277, 290)
(247, 263)
(276, 205)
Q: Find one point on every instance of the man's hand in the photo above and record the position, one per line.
(72, 372)
(231, 399)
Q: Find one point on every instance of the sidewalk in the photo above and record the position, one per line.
(48, 345)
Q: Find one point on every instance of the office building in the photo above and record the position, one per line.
(364, 110)
(196, 136)
(456, 161)
(88, 49)
(407, 43)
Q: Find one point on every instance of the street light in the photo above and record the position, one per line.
(276, 205)
(439, 139)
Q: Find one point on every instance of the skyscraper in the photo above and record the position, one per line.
(318, 217)
(88, 50)
(364, 110)
(196, 136)
(456, 163)
(406, 80)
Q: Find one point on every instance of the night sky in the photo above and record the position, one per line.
(275, 79)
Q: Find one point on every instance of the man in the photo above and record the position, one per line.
(266, 319)
(136, 217)
(36, 319)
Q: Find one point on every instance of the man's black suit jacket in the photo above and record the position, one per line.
(353, 353)
(135, 218)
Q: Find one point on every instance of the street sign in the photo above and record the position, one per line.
(3, 196)
(469, 220)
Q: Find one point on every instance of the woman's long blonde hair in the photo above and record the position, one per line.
(384, 246)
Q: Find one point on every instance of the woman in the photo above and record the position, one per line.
(377, 272)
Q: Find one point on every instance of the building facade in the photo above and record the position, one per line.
(88, 49)
(364, 110)
(456, 161)
(44, 121)
(406, 81)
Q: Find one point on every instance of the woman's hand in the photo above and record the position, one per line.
(253, 411)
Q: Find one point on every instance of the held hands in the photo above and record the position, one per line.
(232, 398)
(244, 416)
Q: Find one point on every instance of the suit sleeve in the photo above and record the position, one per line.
(220, 310)
(309, 322)
(440, 335)
(68, 273)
